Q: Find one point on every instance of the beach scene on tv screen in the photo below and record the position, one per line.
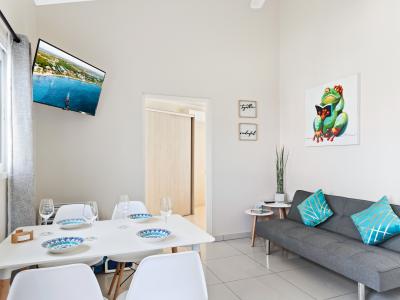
(64, 81)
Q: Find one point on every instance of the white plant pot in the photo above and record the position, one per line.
(279, 197)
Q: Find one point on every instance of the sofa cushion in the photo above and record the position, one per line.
(376, 267)
(314, 210)
(341, 221)
(377, 223)
(299, 197)
(342, 208)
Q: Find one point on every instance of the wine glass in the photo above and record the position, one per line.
(123, 209)
(123, 206)
(46, 210)
(90, 211)
(166, 207)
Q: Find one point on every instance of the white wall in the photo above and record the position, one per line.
(215, 49)
(21, 15)
(321, 41)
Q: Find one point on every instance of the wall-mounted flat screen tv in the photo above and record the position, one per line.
(62, 80)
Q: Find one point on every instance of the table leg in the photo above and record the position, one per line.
(253, 231)
(4, 288)
(5, 276)
(196, 248)
(174, 249)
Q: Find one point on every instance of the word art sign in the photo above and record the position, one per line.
(247, 132)
(247, 109)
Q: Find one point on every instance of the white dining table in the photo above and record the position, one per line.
(103, 238)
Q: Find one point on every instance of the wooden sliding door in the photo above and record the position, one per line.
(168, 160)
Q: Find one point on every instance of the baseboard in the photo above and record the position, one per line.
(232, 236)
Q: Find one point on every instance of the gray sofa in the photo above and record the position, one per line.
(337, 245)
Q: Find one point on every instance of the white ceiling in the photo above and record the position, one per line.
(48, 2)
(254, 4)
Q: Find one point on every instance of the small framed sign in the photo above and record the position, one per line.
(248, 132)
(247, 109)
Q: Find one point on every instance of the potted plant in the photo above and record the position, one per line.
(281, 161)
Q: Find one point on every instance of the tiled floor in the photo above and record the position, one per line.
(236, 271)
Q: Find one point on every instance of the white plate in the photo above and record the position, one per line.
(72, 223)
(63, 244)
(140, 218)
(154, 234)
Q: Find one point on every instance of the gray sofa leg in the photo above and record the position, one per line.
(361, 291)
(267, 247)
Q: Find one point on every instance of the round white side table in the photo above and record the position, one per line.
(255, 214)
(280, 206)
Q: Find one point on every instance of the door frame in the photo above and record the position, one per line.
(191, 101)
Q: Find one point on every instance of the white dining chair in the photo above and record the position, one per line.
(72, 211)
(133, 207)
(176, 276)
(62, 283)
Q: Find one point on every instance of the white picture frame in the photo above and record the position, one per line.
(247, 109)
(248, 132)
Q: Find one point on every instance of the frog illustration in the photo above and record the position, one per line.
(331, 121)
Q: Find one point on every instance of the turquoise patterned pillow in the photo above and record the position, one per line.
(315, 210)
(377, 223)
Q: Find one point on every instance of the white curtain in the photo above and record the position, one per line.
(20, 163)
(5, 45)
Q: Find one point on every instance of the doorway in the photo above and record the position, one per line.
(176, 156)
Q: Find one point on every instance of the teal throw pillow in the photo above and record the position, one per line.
(315, 210)
(377, 223)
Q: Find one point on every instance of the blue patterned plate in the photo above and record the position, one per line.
(154, 234)
(139, 218)
(62, 244)
(72, 223)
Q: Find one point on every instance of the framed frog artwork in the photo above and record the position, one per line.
(332, 113)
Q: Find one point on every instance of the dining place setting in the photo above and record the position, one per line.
(67, 219)
(76, 235)
(65, 244)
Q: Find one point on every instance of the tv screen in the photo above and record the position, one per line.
(62, 80)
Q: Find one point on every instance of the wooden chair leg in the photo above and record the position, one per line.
(116, 273)
(121, 273)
